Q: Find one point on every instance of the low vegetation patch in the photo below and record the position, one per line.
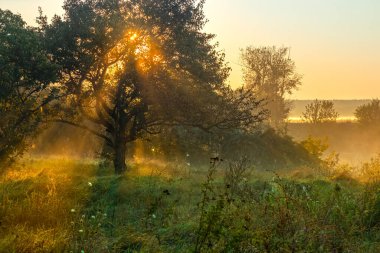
(77, 206)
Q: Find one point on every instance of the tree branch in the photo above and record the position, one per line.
(107, 139)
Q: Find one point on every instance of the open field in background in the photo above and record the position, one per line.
(339, 119)
(354, 143)
(62, 205)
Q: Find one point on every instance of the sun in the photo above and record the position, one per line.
(133, 37)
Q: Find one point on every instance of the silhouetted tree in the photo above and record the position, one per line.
(271, 73)
(131, 67)
(320, 112)
(26, 75)
(369, 114)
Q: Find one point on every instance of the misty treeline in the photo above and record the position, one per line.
(129, 70)
(324, 111)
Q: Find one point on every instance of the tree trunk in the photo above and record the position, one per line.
(119, 157)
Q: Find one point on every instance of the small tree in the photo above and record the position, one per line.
(271, 74)
(369, 114)
(320, 112)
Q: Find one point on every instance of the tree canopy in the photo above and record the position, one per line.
(26, 76)
(271, 73)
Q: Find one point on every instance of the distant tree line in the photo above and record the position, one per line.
(322, 111)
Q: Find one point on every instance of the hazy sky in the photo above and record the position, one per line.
(335, 43)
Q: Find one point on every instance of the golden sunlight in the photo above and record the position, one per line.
(133, 37)
(137, 45)
(142, 127)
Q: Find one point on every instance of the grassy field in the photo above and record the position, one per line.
(62, 205)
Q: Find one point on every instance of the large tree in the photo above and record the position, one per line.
(132, 66)
(271, 73)
(26, 77)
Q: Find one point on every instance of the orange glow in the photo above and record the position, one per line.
(137, 45)
(133, 37)
(139, 151)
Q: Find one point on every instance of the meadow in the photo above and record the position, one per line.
(67, 205)
(122, 129)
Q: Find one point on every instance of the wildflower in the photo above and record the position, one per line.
(80, 230)
(153, 149)
(90, 184)
(187, 155)
(92, 216)
(154, 216)
(72, 210)
(188, 164)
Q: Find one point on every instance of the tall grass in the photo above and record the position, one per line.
(79, 206)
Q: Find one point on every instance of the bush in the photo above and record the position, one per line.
(283, 215)
(369, 114)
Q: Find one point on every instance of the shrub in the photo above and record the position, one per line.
(369, 114)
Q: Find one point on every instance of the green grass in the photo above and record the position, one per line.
(75, 206)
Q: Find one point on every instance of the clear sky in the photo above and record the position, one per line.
(335, 43)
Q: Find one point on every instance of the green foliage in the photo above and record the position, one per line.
(369, 114)
(266, 149)
(320, 112)
(63, 206)
(26, 75)
(315, 146)
(371, 170)
(282, 215)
